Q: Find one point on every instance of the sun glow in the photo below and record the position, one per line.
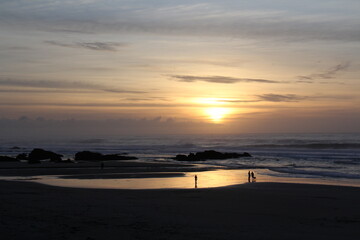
(212, 101)
(217, 114)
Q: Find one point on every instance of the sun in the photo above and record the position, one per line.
(217, 114)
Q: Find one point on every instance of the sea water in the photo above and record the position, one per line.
(334, 157)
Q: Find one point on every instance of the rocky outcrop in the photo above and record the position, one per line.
(95, 156)
(38, 154)
(208, 155)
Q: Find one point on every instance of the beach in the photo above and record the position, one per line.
(179, 120)
(260, 210)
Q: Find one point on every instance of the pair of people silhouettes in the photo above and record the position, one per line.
(251, 177)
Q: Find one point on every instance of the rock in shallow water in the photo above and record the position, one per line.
(208, 155)
(38, 154)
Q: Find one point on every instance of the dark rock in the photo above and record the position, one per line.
(246, 154)
(208, 155)
(38, 154)
(181, 157)
(7, 159)
(118, 157)
(68, 161)
(95, 156)
(22, 156)
(34, 161)
(88, 156)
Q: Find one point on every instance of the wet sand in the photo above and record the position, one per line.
(111, 167)
(247, 211)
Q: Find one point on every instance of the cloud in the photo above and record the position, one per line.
(71, 85)
(72, 31)
(270, 97)
(219, 79)
(44, 83)
(237, 101)
(39, 91)
(139, 99)
(97, 46)
(97, 105)
(329, 74)
(255, 20)
(120, 91)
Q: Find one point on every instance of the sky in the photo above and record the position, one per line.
(180, 66)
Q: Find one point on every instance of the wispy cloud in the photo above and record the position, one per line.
(213, 18)
(238, 101)
(44, 83)
(41, 91)
(97, 46)
(328, 74)
(64, 30)
(270, 97)
(97, 105)
(70, 85)
(140, 99)
(219, 79)
(120, 91)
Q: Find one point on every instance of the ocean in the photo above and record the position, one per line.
(333, 157)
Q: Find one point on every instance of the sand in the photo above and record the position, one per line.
(248, 211)
(261, 211)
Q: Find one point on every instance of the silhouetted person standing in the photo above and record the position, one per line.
(253, 176)
(196, 181)
(249, 174)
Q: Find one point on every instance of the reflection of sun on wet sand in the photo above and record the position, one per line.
(148, 180)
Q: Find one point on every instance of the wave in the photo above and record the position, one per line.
(348, 162)
(309, 145)
(91, 141)
(316, 173)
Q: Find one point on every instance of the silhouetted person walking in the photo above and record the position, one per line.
(249, 174)
(196, 181)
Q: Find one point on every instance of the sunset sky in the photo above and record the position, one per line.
(235, 66)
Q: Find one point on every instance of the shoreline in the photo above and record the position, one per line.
(117, 175)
